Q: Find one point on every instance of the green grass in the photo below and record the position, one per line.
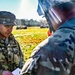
(30, 38)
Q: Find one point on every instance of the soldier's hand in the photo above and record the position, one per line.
(29, 65)
(7, 73)
(26, 66)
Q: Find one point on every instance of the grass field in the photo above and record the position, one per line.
(29, 38)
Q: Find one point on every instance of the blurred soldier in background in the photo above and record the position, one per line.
(11, 56)
(56, 54)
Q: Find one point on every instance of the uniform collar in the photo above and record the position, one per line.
(68, 24)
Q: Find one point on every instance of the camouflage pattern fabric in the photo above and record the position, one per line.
(11, 55)
(57, 52)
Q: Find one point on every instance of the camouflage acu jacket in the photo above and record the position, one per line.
(11, 55)
(57, 52)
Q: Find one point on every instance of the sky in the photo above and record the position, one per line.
(23, 9)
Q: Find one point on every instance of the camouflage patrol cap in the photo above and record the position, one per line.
(7, 18)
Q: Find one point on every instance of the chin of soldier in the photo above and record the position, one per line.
(6, 35)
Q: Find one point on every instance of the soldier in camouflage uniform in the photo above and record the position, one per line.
(11, 56)
(56, 54)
